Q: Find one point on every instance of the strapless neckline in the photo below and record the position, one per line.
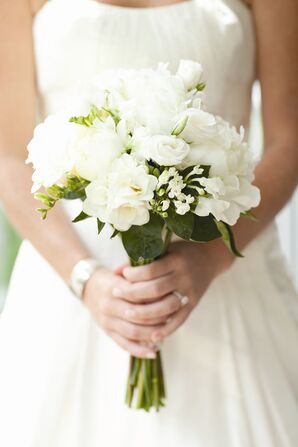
(139, 10)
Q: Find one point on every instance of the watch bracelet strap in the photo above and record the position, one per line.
(80, 275)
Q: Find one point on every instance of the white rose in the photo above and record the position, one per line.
(122, 197)
(95, 149)
(163, 149)
(190, 72)
(50, 150)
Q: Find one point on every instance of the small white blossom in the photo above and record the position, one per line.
(165, 205)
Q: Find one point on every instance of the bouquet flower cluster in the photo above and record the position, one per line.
(145, 156)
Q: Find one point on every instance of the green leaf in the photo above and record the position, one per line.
(81, 216)
(46, 200)
(205, 229)
(43, 212)
(115, 233)
(182, 226)
(100, 226)
(250, 216)
(144, 241)
(228, 237)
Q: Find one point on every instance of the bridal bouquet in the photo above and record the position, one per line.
(145, 156)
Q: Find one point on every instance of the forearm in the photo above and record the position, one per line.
(55, 237)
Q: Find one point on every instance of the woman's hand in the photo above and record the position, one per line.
(188, 268)
(130, 322)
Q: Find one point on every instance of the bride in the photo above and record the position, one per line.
(230, 349)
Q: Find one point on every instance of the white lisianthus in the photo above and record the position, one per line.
(190, 72)
(166, 150)
(200, 126)
(122, 197)
(50, 150)
(95, 148)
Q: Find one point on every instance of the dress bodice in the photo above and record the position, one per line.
(77, 39)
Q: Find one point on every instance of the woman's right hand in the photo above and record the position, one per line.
(129, 324)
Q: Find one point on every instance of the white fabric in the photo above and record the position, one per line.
(232, 368)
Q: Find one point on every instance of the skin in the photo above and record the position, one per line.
(136, 306)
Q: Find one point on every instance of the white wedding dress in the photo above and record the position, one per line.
(232, 368)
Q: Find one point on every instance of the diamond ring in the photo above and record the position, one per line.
(182, 298)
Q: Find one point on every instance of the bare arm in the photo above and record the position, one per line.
(17, 120)
(276, 25)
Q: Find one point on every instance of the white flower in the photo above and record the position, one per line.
(181, 207)
(95, 149)
(50, 150)
(166, 150)
(122, 197)
(165, 205)
(200, 126)
(190, 72)
(229, 197)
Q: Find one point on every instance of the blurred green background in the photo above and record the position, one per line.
(9, 244)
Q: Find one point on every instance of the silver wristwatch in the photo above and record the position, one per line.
(81, 273)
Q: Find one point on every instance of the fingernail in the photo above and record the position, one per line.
(130, 313)
(151, 355)
(117, 292)
(156, 337)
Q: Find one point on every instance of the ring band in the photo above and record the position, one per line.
(182, 298)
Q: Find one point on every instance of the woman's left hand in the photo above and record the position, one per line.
(188, 268)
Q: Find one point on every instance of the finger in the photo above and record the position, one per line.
(135, 349)
(151, 271)
(173, 323)
(119, 270)
(151, 313)
(146, 290)
(132, 331)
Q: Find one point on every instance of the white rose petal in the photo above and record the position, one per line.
(164, 150)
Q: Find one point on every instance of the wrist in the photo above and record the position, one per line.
(220, 257)
(81, 273)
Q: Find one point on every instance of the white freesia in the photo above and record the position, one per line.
(50, 150)
(122, 197)
(166, 150)
(190, 72)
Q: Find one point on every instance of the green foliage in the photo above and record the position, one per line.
(205, 229)
(250, 216)
(80, 217)
(74, 188)
(144, 241)
(95, 113)
(201, 86)
(115, 233)
(228, 237)
(182, 226)
(100, 226)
